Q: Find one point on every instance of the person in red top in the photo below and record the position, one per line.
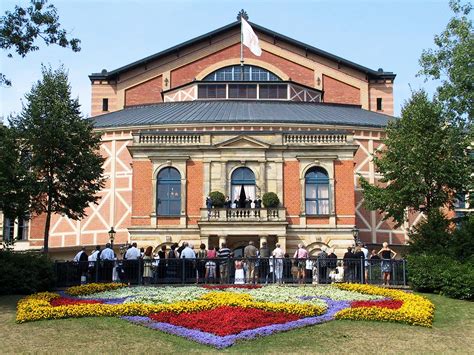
(301, 254)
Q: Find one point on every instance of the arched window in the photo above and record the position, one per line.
(317, 192)
(242, 186)
(168, 193)
(234, 73)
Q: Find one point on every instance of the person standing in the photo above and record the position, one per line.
(93, 263)
(172, 263)
(349, 259)
(359, 264)
(147, 269)
(107, 257)
(201, 264)
(387, 256)
(239, 272)
(301, 254)
(223, 254)
(278, 256)
(250, 255)
(189, 257)
(332, 260)
(132, 257)
(323, 265)
(82, 264)
(264, 261)
(366, 263)
(162, 263)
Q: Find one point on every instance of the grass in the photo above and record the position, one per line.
(452, 332)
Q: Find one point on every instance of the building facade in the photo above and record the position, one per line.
(177, 125)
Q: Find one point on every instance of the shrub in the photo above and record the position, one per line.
(25, 273)
(217, 198)
(441, 274)
(270, 199)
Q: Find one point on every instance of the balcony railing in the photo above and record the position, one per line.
(243, 214)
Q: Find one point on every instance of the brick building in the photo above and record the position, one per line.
(189, 120)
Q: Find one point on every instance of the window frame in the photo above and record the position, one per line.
(163, 206)
(317, 182)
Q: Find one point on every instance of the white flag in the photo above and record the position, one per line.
(250, 39)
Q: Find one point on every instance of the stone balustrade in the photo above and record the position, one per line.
(312, 139)
(243, 215)
(167, 139)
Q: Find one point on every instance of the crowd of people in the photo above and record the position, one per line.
(218, 265)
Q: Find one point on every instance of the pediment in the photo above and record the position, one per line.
(243, 142)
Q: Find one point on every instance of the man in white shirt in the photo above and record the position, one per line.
(77, 258)
(133, 253)
(189, 255)
(108, 256)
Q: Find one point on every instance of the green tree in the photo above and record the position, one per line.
(425, 162)
(452, 62)
(63, 149)
(19, 30)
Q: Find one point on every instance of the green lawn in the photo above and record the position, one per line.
(452, 332)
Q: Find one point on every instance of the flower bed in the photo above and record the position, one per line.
(415, 310)
(219, 316)
(225, 287)
(92, 288)
(225, 320)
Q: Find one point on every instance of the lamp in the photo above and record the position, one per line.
(112, 236)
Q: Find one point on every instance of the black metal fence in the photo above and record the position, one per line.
(231, 271)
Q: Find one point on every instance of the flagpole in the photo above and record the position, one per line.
(241, 52)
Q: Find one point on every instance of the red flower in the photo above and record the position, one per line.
(392, 304)
(225, 320)
(63, 301)
(223, 287)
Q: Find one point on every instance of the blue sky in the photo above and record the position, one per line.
(386, 34)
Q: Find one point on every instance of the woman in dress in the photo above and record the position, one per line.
(162, 264)
(239, 272)
(147, 265)
(201, 264)
(386, 254)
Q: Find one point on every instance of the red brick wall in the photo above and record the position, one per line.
(336, 91)
(194, 193)
(142, 192)
(317, 220)
(167, 221)
(148, 92)
(292, 190)
(344, 190)
(37, 224)
(188, 72)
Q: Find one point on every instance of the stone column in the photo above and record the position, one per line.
(262, 182)
(263, 239)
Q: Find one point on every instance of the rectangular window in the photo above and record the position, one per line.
(273, 91)
(105, 104)
(379, 104)
(15, 229)
(211, 91)
(242, 91)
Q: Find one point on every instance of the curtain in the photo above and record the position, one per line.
(250, 191)
(235, 192)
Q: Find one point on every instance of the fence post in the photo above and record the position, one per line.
(183, 272)
(404, 272)
(96, 270)
(362, 270)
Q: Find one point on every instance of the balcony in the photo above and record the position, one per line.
(243, 215)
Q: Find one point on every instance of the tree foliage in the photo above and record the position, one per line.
(20, 29)
(63, 149)
(452, 61)
(424, 163)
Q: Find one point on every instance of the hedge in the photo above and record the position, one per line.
(25, 273)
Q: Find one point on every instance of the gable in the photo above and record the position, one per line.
(243, 142)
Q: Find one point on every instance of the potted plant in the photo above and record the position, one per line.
(270, 200)
(217, 199)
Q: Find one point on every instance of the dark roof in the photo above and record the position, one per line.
(374, 74)
(234, 111)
